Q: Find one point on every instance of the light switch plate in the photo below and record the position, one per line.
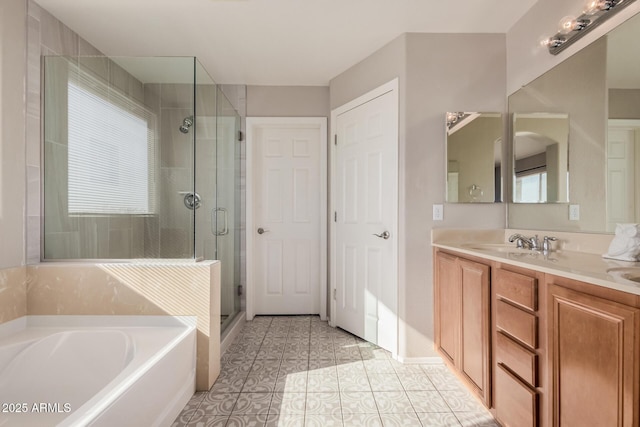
(438, 212)
(574, 212)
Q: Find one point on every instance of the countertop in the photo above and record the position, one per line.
(573, 264)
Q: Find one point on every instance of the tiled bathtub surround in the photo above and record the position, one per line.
(138, 288)
(13, 293)
(298, 371)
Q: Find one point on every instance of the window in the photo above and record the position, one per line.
(111, 150)
(532, 188)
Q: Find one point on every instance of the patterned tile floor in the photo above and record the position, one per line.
(298, 371)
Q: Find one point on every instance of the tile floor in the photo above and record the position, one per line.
(298, 371)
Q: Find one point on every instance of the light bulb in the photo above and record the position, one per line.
(591, 7)
(544, 41)
(567, 24)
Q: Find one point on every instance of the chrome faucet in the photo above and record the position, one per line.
(533, 242)
(523, 242)
(546, 243)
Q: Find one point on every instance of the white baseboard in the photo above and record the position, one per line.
(434, 360)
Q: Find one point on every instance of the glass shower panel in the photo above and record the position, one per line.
(205, 163)
(118, 157)
(228, 206)
(217, 182)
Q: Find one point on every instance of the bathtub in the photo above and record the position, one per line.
(96, 370)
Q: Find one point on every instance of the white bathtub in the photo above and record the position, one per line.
(96, 370)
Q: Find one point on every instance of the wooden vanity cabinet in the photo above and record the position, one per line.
(539, 349)
(462, 319)
(518, 346)
(593, 354)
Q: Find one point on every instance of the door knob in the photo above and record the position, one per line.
(385, 235)
(262, 230)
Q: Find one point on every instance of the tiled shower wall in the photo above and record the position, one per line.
(104, 237)
(48, 36)
(169, 233)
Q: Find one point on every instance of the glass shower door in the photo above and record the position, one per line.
(227, 217)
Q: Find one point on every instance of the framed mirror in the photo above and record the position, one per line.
(540, 158)
(474, 157)
(598, 88)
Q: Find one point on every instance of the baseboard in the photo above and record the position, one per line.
(434, 360)
(232, 332)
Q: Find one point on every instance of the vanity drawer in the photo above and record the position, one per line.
(516, 404)
(517, 358)
(517, 323)
(517, 288)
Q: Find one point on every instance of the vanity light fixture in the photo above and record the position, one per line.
(572, 28)
(455, 117)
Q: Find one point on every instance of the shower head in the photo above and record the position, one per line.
(186, 124)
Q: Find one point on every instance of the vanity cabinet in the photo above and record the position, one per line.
(462, 319)
(517, 346)
(594, 345)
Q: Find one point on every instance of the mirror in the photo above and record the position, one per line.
(598, 88)
(474, 157)
(540, 152)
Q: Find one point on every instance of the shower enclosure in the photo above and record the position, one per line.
(141, 160)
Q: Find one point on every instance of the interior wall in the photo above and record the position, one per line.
(624, 103)
(287, 101)
(445, 72)
(13, 31)
(527, 59)
(12, 119)
(437, 73)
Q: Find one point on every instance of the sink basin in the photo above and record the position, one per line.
(495, 247)
(628, 273)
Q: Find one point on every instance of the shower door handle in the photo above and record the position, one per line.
(214, 222)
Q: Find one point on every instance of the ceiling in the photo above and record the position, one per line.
(273, 42)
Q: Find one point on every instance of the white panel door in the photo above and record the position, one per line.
(365, 191)
(287, 210)
(620, 176)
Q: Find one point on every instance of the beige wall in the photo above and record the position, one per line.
(287, 101)
(624, 103)
(13, 31)
(12, 126)
(437, 73)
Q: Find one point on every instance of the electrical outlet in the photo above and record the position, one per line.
(574, 212)
(438, 212)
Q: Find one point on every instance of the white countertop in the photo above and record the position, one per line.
(583, 266)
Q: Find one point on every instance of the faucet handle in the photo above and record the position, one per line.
(546, 243)
(518, 238)
(535, 242)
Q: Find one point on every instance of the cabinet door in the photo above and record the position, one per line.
(593, 348)
(474, 360)
(447, 309)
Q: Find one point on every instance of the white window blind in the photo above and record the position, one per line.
(111, 150)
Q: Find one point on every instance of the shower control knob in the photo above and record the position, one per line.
(262, 230)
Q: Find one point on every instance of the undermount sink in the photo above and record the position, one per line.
(628, 273)
(495, 247)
